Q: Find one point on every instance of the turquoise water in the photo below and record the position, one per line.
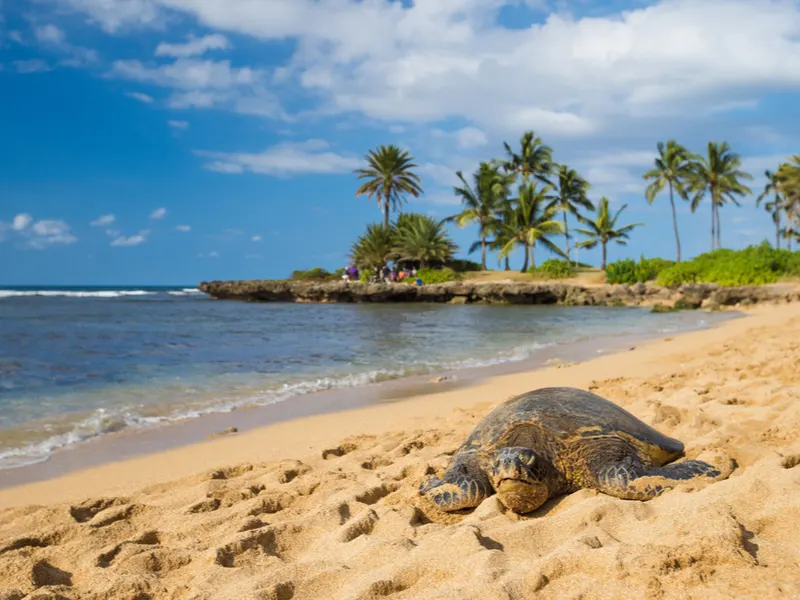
(78, 363)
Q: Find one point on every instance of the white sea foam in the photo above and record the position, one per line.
(75, 294)
(105, 421)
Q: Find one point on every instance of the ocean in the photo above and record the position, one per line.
(79, 363)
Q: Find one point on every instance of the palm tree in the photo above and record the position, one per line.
(530, 219)
(482, 202)
(569, 198)
(719, 175)
(788, 177)
(775, 206)
(423, 240)
(603, 229)
(533, 160)
(672, 168)
(389, 175)
(375, 248)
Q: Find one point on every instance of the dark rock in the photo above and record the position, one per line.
(458, 292)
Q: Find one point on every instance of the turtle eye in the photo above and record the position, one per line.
(463, 469)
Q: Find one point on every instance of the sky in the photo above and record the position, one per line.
(176, 141)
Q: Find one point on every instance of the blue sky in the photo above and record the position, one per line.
(172, 141)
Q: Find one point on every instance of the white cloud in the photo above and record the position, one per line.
(224, 167)
(33, 65)
(178, 124)
(21, 222)
(256, 238)
(283, 159)
(133, 240)
(194, 46)
(213, 254)
(158, 213)
(49, 34)
(140, 97)
(188, 74)
(436, 59)
(183, 228)
(206, 84)
(103, 221)
(77, 56)
(112, 15)
(469, 137)
(46, 233)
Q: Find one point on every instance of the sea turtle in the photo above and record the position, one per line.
(557, 440)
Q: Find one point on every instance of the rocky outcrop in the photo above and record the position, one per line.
(687, 296)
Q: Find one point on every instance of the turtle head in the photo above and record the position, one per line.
(520, 477)
(464, 485)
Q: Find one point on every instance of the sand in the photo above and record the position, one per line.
(326, 507)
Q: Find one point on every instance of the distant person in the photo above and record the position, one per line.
(413, 271)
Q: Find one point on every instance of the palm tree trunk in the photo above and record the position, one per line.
(603, 266)
(675, 222)
(778, 236)
(566, 235)
(525, 262)
(386, 210)
(719, 230)
(713, 224)
(533, 256)
(508, 267)
(483, 251)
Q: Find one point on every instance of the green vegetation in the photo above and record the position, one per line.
(316, 274)
(432, 276)
(413, 240)
(602, 229)
(388, 176)
(526, 200)
(528, 219)
(672, 168)
(554, 268)
(463, 266)
(755, 265)
(719, 175)
(482, 202)
(628, 271)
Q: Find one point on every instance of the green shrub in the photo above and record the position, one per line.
(621, 271)
(554, 268)
(432, 276)
(755, 265)
(460, 265)
(364, 275)
(316, 274)
(647, 269)
(629, 271)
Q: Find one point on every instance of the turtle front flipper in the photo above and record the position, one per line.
(629, 479)
(464, 485)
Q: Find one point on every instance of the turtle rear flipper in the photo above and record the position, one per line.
(629, 479)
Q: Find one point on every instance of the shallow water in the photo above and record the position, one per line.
(77, 363)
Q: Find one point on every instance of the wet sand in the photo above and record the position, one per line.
(326, 506)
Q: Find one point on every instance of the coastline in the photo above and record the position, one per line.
(282, 438)
(129, 444)
(689, 296)
(327, 506)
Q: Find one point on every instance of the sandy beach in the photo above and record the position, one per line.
(327, 506)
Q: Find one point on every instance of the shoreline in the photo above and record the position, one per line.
(109, 448)
(191, 450)
(328, 506)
